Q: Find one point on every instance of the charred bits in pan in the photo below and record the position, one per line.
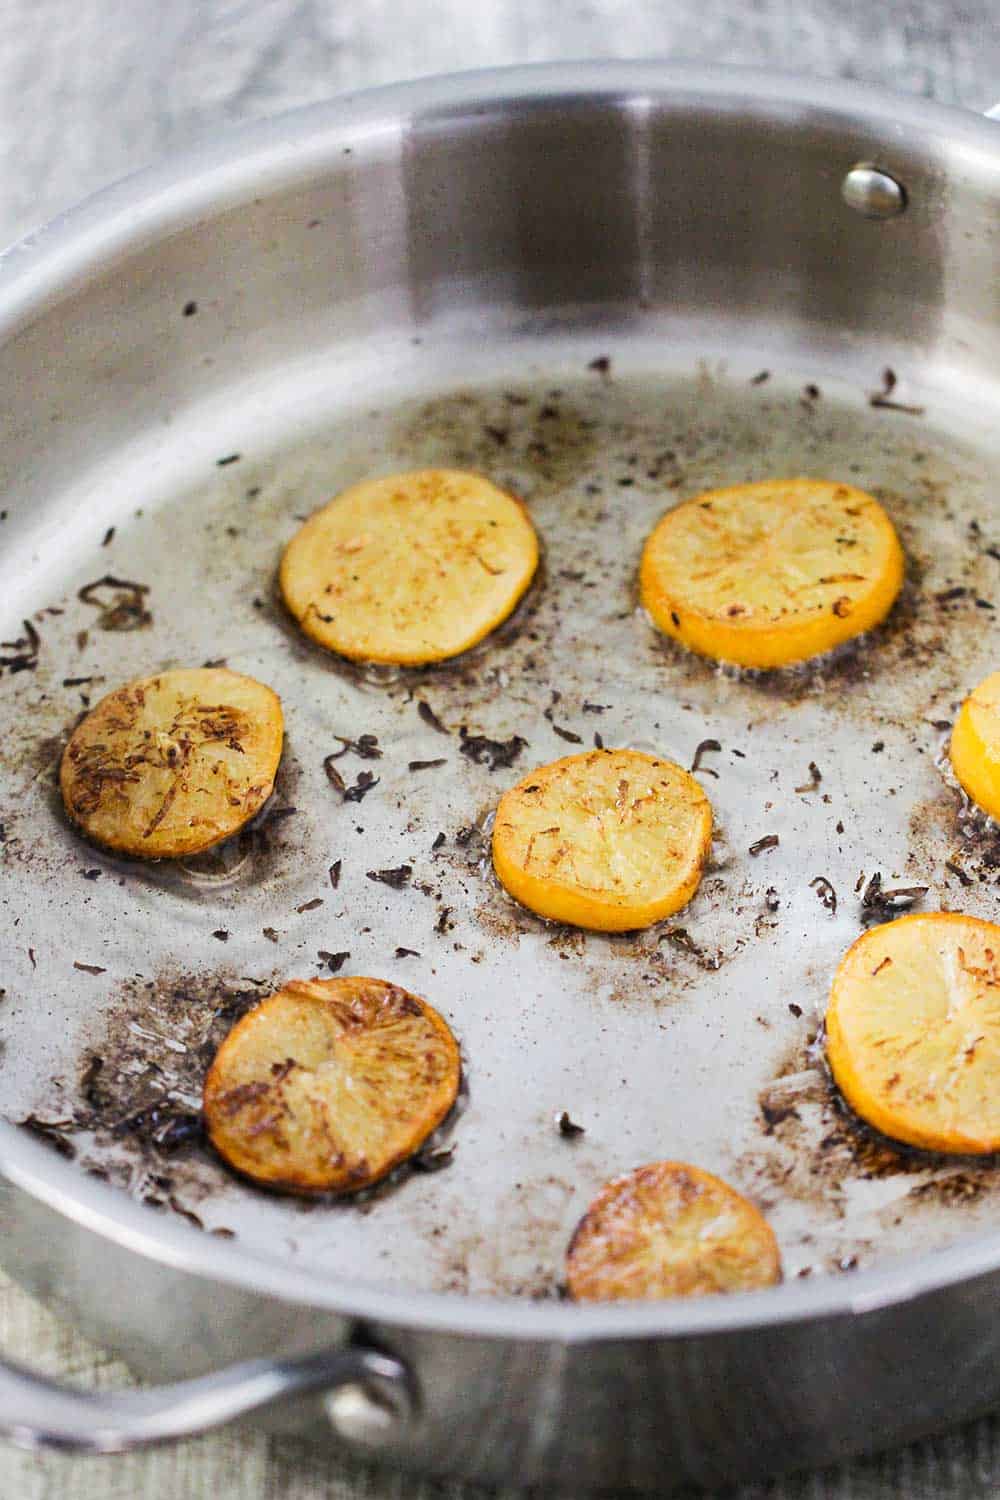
(880, 905)
(21, 654)
(496, 755)
(121, 604)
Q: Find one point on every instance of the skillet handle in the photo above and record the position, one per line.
(365, 1394)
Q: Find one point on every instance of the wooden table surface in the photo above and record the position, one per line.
(92, 89)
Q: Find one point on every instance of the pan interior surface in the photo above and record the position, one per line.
(697, 1039)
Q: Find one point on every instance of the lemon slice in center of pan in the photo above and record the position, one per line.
(611, 840)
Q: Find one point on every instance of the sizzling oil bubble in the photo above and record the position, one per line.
(380, 674)
(222, 866)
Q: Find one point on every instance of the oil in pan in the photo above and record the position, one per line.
(695, 1039)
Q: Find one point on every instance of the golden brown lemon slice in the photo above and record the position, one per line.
(172, 764)
(913, 1031)
(669, 1230)
(410, 568)
(330, 1083)
(975, 745)
(767, 574)
(610, 840)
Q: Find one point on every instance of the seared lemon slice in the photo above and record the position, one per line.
(913, 1031)
(411, 568)
(171, 764)
(767, 574)
(610, 840)
(330, 1083)
(975, 745)
(669, 1230)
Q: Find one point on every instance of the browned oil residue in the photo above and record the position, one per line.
(136, 1116)
(957, 845)
(910, 637)
(925, 633)
(141, 1078)
(813, 1145)
(668, 955)
(505, 434)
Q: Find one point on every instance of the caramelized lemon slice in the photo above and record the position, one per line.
(669, 1230)
(913, 1031)
(411, 568)
(610, 840)
(172, 764)
(330, 1083)
(767, 574)
(975, 745)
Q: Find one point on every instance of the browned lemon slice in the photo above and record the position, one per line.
(171, 764)
(669, 1230)
(975, 745)
(330, 1083)
(767, 574)
(410, 568)
(610, 840)
(913, 1031)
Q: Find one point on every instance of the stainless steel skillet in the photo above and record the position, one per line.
(576, 278)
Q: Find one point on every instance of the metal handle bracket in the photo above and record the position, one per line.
(366, 1395)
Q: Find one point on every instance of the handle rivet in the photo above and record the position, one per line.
(365, 1413)
(872, 192)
